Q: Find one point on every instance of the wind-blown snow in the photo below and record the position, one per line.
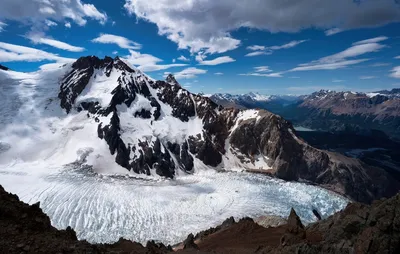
(100, 87)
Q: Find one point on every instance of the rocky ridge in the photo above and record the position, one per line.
(328, 110)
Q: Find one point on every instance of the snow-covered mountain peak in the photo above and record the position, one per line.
(106, 115)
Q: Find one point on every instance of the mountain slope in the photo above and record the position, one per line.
(328, 110)
(348, 111)
(116, 119)
(273, 103)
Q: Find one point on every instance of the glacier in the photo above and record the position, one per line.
(101, 209)
(57, 159)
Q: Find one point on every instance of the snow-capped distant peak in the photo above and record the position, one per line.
(259, 97)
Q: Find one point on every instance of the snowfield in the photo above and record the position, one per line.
(44, 155)
(105, 208)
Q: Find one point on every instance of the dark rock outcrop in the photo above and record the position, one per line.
(295, 231)
(2, 67)
(189, 243)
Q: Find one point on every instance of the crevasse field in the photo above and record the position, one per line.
(104, 208)
(44, 155)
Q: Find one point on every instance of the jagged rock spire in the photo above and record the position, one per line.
(171, 79)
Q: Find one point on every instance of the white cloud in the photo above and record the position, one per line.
(327, 66)
(184, 59)
(368, 77)
(174, 60)
(50, 23)
(37, 12)
(337, 80)
(147, 62)
(255, 47)
(217, 61)
(207, 24)
(189, 73)
(264, 50)
(397, 57)
(138, 59)
(115, 52)
(332, 31)
(380, 64)
(372, 40)
(257, 74)
(258, 53)
(219, 73)
(354, 51)
(54, 43)
(341, 59)
(395, 72)
(2, 25)
(16, 53)
(122, 42)
(91, 11)
(68, 25)
(287, 45)
(262, 69)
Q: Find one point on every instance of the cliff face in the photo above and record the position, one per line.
(357, 229)
(292, 159)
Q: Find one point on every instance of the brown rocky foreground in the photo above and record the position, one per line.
(357, 229)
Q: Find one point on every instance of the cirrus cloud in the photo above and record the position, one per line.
(16, 53)
(189, 73)
(217, 61)
(122, 42)
(55, 43)
(341, 59)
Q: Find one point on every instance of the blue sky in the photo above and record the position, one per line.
(216, 46)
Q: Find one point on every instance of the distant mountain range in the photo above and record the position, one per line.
(328, 110)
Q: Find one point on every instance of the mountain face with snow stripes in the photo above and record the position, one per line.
(110, 116)
(328, 110)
